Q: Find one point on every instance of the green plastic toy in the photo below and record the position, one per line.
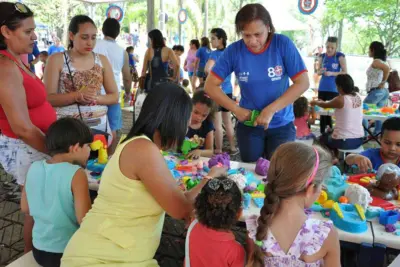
(188, 146)
(254, 115)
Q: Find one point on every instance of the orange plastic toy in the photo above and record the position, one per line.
(388, 110)
(343, 199)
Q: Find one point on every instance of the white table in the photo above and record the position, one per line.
(365, 237)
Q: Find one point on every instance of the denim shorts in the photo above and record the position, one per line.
(114, 114)
(190, 73)
(255, 142)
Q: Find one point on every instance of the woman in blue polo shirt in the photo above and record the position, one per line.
(263, 62)
(331, 64)
(218, 41)
(202, 55)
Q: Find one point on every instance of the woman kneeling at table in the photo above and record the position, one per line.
(124, 226)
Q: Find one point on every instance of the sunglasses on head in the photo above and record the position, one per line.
(18, 7)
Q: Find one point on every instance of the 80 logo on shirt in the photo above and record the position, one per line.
(275, 73)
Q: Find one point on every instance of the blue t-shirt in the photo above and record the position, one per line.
(263, 77)
(131, 60)
(35, 53)
(206, 127)
(203, 53)
(51, 204)
(327, 83)
(54, 49)
(374, 155)
(226, 84)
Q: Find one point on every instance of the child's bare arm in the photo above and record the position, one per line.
(332, 246)
(80, 190)
(363, 163)
(24, 202)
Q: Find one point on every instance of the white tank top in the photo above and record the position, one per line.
(349, 119)
(114, 54)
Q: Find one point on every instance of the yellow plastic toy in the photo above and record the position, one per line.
(322, 197)
(336, 208)
(257, 195)
(328, 204)
(100, 144)
(360, 211)
(185, 178)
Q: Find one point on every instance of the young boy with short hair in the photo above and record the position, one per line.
(389, 152)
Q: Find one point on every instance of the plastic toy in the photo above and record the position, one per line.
(253, 118)
(252, 180)
(361, 179)
(356, 194)
(385, 168)
(246, 200)
(239, 179)
(100, 144)
(388, 217)
(335, 184)
(328, 204)
(373, 212)
(170, 163)
(261, 187)
(259, 202)
(188, 145)
(378, 202)
(95, 168)
(390, 228)
(223, 158)
(343, 200)
(322, 197)
(349, 218)
(386, 187)
(257, 194)
(262, 166)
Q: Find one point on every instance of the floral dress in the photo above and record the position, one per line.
(81, 79)
(308, 241)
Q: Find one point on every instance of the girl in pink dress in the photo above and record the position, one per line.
(190, 61)
(283, 235)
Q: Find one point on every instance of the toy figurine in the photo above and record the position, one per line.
(100, 144)
(385, 188)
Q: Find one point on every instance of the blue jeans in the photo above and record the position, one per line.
(256, 142)
(379, 97)
(350, 143)
(114, 114)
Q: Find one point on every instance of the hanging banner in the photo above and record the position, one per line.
(307, 7)
(182, 16)
(115, 12)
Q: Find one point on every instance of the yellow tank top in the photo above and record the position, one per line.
(124, 226)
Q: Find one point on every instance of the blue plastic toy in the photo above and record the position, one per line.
(95, 167)
(388, 217)
(251, 179)
(259, 202)
(171, 164)
(335, 184)
(246, 200)
(349, 217)
(373, 212)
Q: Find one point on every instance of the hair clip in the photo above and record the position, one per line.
(258, 243)
(215, 184)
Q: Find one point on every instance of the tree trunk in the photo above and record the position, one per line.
(340, 35)
(65, 22)
(161, 20)
(150, 15)
(205, 30)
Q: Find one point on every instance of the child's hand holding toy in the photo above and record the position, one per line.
(194, 154)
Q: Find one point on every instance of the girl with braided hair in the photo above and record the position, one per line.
(283, 235)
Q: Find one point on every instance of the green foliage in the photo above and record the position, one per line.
(369, 20)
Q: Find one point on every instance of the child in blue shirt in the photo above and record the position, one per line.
(202, 55)
(56, 192)
(201, 124)
(372, 159)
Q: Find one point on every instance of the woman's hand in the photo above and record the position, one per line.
(89, 94)
(194, 154)
(264, 118)
(242, 114)
(381, 85)
(217, 171)
(314, 102)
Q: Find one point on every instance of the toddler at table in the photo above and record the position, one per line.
(56, 192)
(302, 119)
(201, 124)
(348, 132)
(209, 240)
(389, 152)
(283, 235)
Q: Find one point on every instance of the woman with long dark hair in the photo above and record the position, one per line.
(156, 60)
(25, 113)
(377, 76)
